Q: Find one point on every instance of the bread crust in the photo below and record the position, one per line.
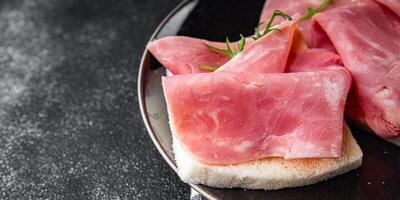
(269, 173)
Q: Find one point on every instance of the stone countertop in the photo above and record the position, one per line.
(70, 125)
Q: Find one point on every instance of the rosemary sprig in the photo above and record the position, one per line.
(242, 42)
(270, 27)
(228, 51)
(312, 11)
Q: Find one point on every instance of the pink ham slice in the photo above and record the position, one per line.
(367, 37)
(233, 117)
(304, 60)
(392, 4)
(266, 55)
(320, 39)
(181, 55)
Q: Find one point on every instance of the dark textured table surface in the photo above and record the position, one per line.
(70, 126)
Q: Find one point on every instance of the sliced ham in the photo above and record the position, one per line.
(267, 54)
(312, 60)
(394, 5)
(233, 117)
(320, 39)
(367, 37)
(182, 55)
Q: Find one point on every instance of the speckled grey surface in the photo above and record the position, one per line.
(70, 126)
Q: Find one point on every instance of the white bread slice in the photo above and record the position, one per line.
(269, 173)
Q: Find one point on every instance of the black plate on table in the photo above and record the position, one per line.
(377, 178)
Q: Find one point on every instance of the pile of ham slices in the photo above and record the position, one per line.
(286, 94)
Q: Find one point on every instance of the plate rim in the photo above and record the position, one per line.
(141, 98)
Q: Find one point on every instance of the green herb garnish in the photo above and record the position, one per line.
(242, 42)
(270, 27)
(228, 51)
(312, 11)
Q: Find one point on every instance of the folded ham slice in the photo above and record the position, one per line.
(392, 4)
(367, 37)
(304, 60)
(267, 54)
(182, 55)
(232, 117)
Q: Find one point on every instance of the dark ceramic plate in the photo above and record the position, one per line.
(377, 178)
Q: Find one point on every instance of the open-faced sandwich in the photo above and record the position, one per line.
(267, 111)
